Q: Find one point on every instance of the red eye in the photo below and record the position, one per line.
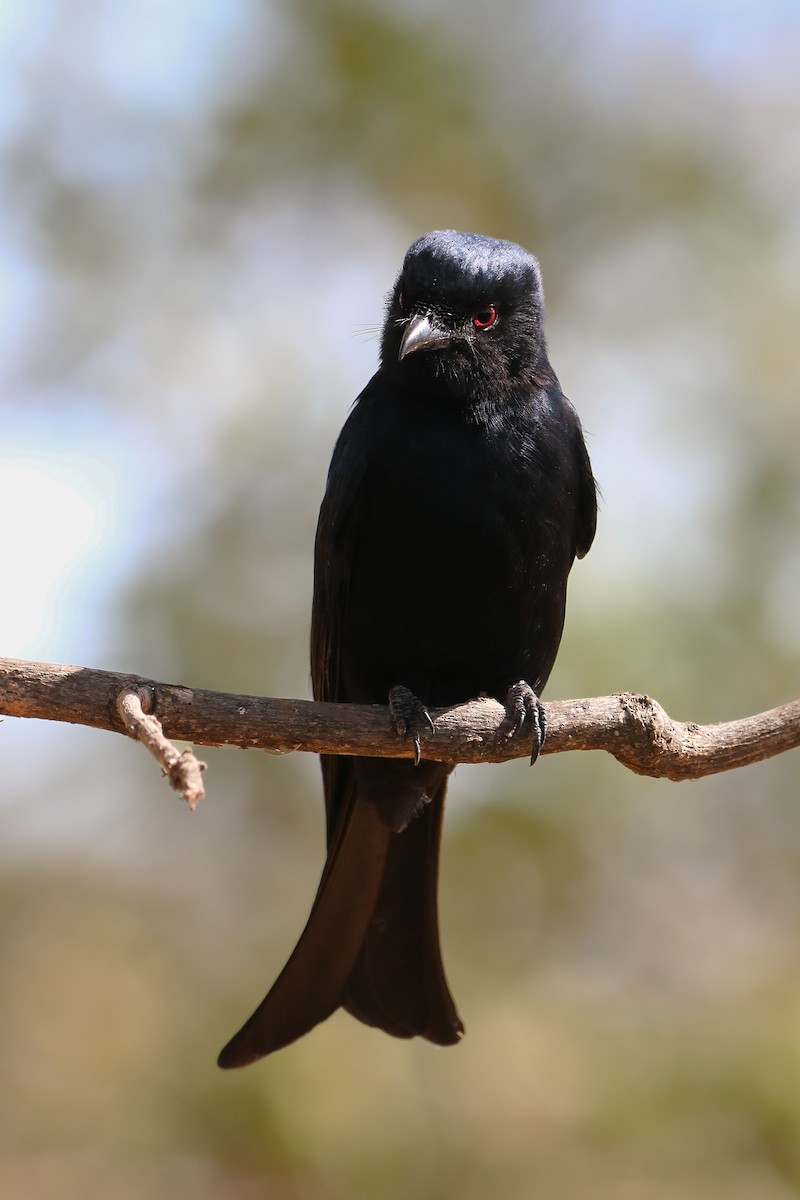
(485, 318)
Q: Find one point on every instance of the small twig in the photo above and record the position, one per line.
(181, 767)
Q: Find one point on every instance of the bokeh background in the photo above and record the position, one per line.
(203, 204)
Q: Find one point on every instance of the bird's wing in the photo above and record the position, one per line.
(334, 555)
(585, 519)
(337, 535)
(586, 508)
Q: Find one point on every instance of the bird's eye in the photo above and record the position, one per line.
(485, 318)
(401, 301)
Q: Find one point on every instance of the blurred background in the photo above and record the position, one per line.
(202, 207)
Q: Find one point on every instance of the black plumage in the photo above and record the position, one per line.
(459, 493)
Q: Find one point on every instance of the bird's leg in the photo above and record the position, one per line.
(410, 716)
(522, 704)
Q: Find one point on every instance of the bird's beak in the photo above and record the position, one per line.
(422, 334)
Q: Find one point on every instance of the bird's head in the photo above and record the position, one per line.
(466, 310)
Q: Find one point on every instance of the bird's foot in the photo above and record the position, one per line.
(410, 717)
(522, 704)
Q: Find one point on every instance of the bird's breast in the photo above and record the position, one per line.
(451, 548)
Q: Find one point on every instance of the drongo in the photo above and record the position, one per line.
(459, 494)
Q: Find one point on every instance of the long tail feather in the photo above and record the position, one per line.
(310, 986)
(398, 982)
(371, 942)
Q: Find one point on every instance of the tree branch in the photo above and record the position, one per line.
(633, 728)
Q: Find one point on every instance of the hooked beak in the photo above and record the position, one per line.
(422, 334)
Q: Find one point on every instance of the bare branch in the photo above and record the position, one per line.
(633, 728)
(181, 767)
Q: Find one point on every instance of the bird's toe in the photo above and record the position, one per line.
(523, 705)
(410, 717)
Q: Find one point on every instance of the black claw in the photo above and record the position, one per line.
(522, 704)
(540, 730)
(516, 710)
(409, 715)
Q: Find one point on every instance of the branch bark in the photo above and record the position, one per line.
(633, 728)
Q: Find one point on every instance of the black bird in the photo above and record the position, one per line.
(459, 494)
